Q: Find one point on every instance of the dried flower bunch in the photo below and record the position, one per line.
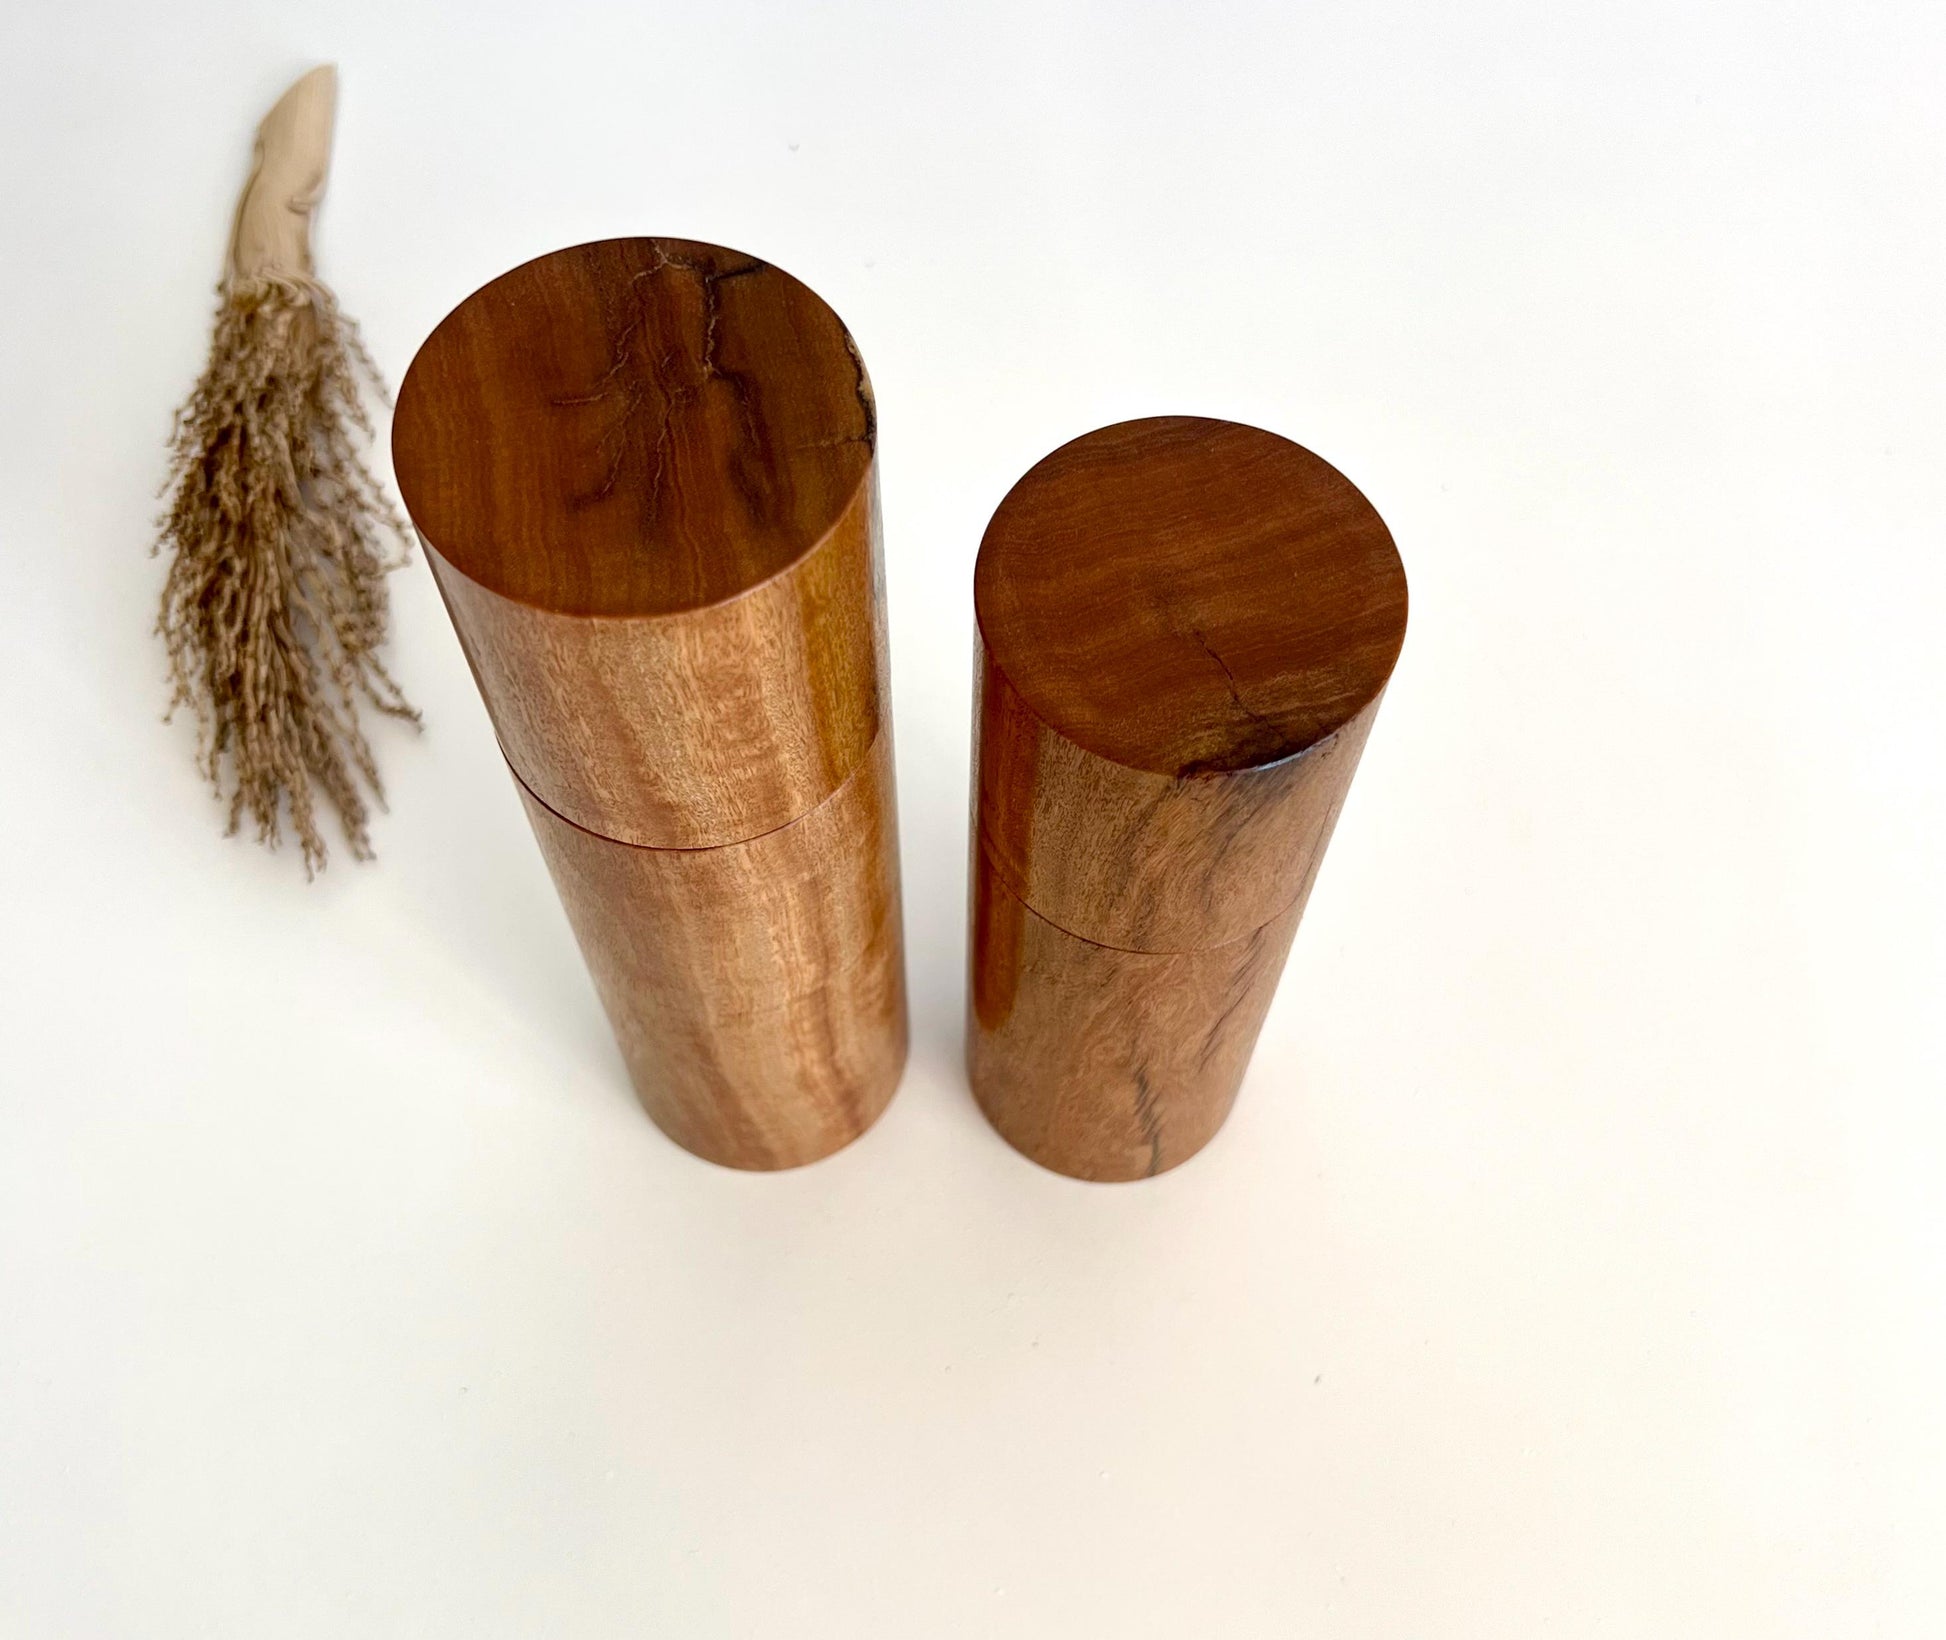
(279, 535)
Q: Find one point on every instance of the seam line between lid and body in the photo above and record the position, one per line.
(836, 792)
(1016, 893)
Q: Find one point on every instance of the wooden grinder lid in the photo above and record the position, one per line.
(642, 469)
(1181, 619)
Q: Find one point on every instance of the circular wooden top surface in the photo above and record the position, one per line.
(633, 427)
(1190, 596)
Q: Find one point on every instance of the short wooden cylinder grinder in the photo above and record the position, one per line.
(1185, 628)
(645, 475)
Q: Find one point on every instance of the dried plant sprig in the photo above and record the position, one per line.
(279, 535)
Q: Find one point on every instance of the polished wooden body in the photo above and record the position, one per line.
(1185, 629)
(696, 732)
(756, 989)
(1105, 1063)
(645, 475)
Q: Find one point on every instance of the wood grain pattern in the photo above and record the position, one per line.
(1107, 1064)
(757, 990)
(645, 474)
(1139, 860)
(1185, 630)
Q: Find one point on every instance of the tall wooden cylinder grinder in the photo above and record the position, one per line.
(645, 475)
(1185, 627)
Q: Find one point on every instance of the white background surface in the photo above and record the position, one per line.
(1573, 1262)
